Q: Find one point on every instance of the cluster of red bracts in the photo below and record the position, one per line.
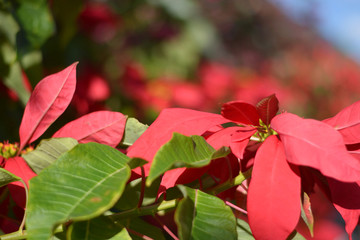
(288, 155)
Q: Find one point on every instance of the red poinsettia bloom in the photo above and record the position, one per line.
(295, 154)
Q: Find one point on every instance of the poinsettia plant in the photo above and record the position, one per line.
(246, 173)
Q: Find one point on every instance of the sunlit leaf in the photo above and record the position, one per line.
(47, 152)
(105, 127)
(133, 131)
(243, 230)
(48, 101)
(183, 151)
(203, 216)
(82, 184)
(273, 201)
(7, 177)
(316, 144)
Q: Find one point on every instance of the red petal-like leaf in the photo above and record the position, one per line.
(347, 122)
(222, 137)
(104, 127)
(236, 138)
(267, 108)
(240, 140)
(346, 199)
(48, 101)
(184, 121)
(19, 167)
(316, 144)
(241, 112)
(273, 201)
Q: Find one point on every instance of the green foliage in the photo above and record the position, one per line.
(183, 151)
(78, 186)
(133, 131)
(90, 230)
(243, 230)
(36, 21)
(47, 152)
(7, 177)
(203, 216)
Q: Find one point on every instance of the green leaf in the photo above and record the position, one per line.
(243, 230)
(136, 162)
(203, 216)
(306, 213)
(140, 226)
(133, 130)
(8, 27)
(99, 228)
(12, 74)
(296, 236)
(47, 152)
(82, 184)
(183, 151)
(131, 195)
(36, 20)
(7, 177)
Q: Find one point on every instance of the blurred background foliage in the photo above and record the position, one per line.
(140, 56)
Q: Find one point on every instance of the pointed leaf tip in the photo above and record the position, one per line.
(50, 98)
(267, 108)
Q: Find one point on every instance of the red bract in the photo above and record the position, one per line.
(304, 142)
(241, 112)
(19, 167)
(274, 193)
(315, 144)
(104, 127)
(347, 122)
(184, 121)
(267, 108)
(48, 101)
(349, 206)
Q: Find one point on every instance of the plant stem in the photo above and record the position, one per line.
(14, 235)
(21, 228)
(166, 229)
(147, 210)
(235, 207)
(229, 184)
(142, 193)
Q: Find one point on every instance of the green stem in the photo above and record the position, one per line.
(147, 210)
(21, 228)
(14, 235)
(229, 184)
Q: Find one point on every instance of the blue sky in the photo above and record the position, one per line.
(338, 21)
